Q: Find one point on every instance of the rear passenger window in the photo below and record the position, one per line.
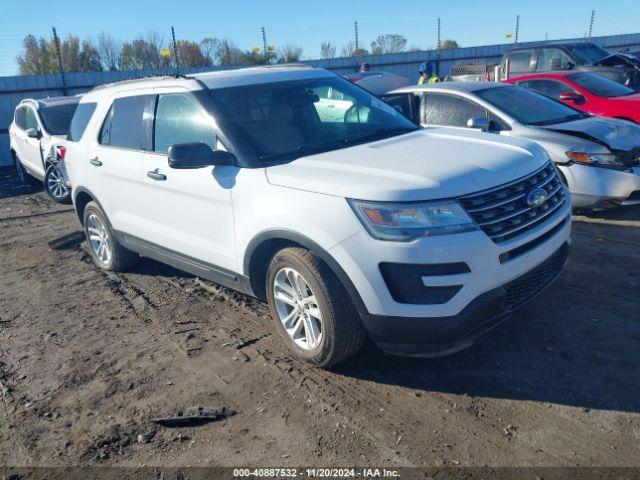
(178, 120)
(124, 127)
(80, 121)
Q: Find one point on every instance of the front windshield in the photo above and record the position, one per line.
(57, 119)
(285, 120)
(529, 107)
(600, 86)
(588, 53)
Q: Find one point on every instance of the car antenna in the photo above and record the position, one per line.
(175, 51)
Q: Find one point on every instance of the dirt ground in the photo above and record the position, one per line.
(88, 359)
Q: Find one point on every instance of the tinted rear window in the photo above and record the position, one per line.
(123, 127)
(80, 121)
(56, 120)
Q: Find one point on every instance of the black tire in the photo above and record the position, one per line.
(61, 194)
(24, 176)
(119, 257)
(342, 330)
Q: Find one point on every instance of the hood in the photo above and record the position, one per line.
(428, 164)
(612, 133)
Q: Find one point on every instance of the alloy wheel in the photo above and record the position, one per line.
(56, 184)
(297, 308)
(99, 239)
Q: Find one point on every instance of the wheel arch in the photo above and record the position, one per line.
(265, 245)
(81, 197)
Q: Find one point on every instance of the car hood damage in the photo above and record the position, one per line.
(434, 163)
(616, 135)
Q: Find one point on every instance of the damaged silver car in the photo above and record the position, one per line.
(598, 157)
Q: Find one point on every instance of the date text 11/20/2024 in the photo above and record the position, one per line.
(315, 472)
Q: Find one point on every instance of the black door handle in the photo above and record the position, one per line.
(95, 161)
(156, 175)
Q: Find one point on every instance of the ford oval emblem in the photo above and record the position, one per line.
(536, 197)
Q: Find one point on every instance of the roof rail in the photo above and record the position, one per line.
(139, 79)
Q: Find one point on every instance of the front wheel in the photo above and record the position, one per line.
(311, 309)
(56, 186)
(106, 251)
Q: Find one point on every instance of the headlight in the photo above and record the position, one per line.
(596, 159)
(404, 222)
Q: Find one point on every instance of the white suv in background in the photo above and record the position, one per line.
(363, 224)
(37, 138)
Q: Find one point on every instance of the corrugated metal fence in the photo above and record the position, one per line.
(14, 89)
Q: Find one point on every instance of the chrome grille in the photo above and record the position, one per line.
(504, 213)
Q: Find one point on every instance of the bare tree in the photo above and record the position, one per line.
(289, 53)
(109, 51)
(348, 49)
(388, 43)
(229, 54)
(327, 50)
(210, 48)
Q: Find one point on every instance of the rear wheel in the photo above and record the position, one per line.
(105, 250)
(23, 175)
(311, 309)
(56, 186)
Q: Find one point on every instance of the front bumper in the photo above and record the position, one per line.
(593, 187)
(429, 337)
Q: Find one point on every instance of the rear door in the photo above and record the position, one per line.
(192, 209)
(30, 152)
(114, 172)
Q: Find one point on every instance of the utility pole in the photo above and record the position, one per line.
(264, 44)
(593, 16)
(355, 25)
(517, 27)
(438, 50)
(56, 41)
(175, 50)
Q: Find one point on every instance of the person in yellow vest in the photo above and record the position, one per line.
(426, 74)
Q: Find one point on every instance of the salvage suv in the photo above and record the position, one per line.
(352, 226)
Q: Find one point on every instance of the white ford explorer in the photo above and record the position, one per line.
(349, 226)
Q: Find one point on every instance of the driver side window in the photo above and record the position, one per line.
(31, 121)
(178, 120)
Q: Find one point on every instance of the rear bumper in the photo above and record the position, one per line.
(435, 336)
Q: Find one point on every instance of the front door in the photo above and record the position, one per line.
(192, 209)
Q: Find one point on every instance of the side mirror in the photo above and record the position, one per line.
(481, 124)
(574, 97)
(198, 155)
(34, 133)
